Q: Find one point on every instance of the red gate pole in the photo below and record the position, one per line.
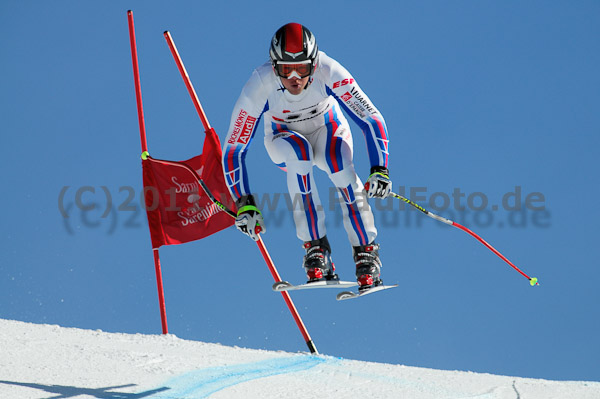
(140, 110)
(261, 245)
(161, 295)
(287, 298)
(136, 79)
(187, 81)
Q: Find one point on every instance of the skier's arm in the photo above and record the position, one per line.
(344, 88)
(244, 121)
(359, 107)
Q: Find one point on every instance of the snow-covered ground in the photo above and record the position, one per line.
(47, 361)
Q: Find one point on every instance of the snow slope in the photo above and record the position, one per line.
(47, 361)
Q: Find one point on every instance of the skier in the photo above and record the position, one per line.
(301, 92)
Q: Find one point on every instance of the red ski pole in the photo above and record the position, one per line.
(532, 280)
(260, 243)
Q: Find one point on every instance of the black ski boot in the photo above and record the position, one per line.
(317, 261)
(368, 266)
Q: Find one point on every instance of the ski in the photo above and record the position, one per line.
(351, 294)
(286, 286)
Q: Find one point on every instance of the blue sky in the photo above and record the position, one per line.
(486, 98)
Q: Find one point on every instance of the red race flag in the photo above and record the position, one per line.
(178, 209)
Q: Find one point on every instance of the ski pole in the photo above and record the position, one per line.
(260, 243)
(532, 280)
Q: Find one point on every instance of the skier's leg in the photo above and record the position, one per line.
(333, 154)
(357, 215)
(292, 152)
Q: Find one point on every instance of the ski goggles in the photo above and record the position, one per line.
(299, 70)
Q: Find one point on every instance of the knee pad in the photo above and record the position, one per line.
(344, 177)
(299, 167)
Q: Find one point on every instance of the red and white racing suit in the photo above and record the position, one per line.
(305, 130)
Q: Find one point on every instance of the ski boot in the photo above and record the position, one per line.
(317, 262)
(368, 266)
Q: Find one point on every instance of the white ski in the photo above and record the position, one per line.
(351, 294)
(286, 286)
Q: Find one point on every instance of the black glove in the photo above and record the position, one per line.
(379, 184)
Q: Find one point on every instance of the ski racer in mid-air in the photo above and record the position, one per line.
(301, 92)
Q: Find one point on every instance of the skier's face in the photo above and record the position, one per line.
(295, 85)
